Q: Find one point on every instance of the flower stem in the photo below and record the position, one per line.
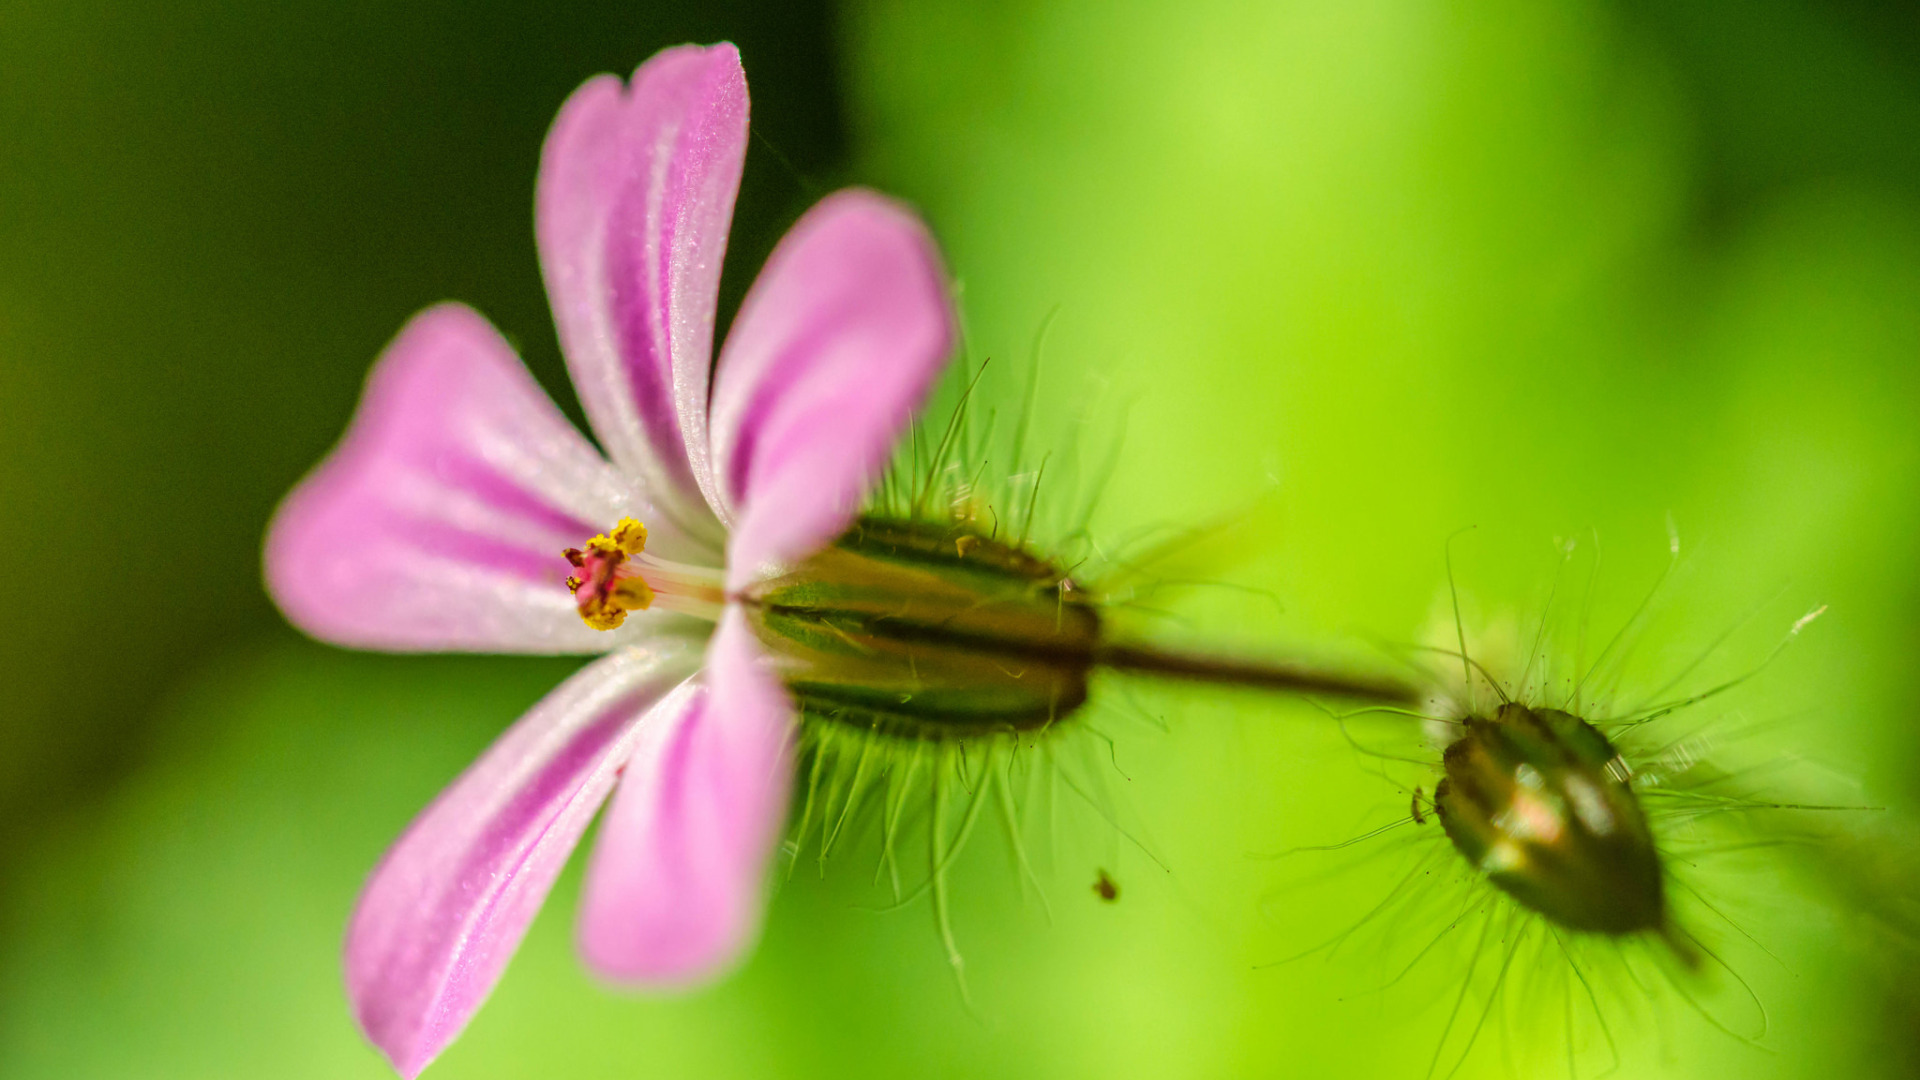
(1251, 674)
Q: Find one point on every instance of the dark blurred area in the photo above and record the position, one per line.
(212, 217)
(1789, 91)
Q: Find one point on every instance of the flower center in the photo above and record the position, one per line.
(616, 576)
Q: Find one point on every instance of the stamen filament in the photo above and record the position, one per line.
(683, 587)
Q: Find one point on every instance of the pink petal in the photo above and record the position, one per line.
(447, 907)
(635, 198)
(835, 346)
(678, 877)
(439, 520)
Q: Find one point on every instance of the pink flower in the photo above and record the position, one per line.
(440, 522)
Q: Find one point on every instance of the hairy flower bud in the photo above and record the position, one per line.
(1539, 800)
(928, 632)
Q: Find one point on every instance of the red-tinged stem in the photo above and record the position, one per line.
(1252, 674)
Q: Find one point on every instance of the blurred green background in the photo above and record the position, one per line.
(1547, 269)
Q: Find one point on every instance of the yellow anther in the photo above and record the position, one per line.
(603, 616)
(630, 536)
(608, 608)
(634, 594)
(627, 538)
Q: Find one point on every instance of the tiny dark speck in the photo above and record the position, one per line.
(1105, 888)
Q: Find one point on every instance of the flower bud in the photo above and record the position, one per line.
(1539, 800)
(928, 632)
